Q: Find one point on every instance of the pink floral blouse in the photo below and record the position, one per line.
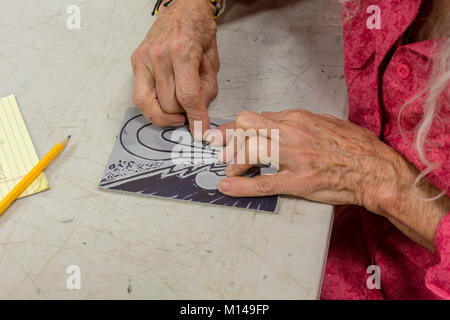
(359, 238)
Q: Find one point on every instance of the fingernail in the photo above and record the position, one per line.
(224, 185)
(177, 124)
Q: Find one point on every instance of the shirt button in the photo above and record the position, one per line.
(387, 129)
(403, 71)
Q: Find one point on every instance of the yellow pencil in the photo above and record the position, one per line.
(32, 175)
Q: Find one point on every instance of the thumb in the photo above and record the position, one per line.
(263, 185)
(198, 122)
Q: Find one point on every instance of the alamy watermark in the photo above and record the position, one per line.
(244, 147)
(73, 282)
(74, 19)
(374, 21)
(374, 280)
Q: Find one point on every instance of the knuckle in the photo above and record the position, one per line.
(153, 116)
(264, 185)
(186, 97)
(157, 120)
(242, 116)
(158, 53)
(138, 100)
(178, 44)
(304, 112)
(300, 114)
(212, 27)
(146, 112)
(329, 116)
(141, 53)
(214, 90)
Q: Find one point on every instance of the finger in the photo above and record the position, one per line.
(265, 126)
(208, 80)
(253, 150)
(263, 185)
(165, 87)
(257, 150)
(228, 153)
(299, 118)
(278, 116)
(220, 135)
(144, 98)
(314, 123)
(188, 93)
(233, 170)
(236, 143)
(302, 118)
(328, 116)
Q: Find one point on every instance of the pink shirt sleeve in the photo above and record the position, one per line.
(437, 278)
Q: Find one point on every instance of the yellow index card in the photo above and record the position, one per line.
(17, 154)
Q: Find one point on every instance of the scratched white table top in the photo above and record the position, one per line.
(274, 56)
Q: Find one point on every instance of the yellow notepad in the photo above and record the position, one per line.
(17, 153)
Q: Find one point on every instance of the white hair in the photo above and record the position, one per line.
(438, 86)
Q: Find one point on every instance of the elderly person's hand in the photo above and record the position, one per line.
(329, 160)
(176, 65)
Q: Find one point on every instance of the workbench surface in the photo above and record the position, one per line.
(275, 55)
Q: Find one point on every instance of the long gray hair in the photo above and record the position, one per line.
(438, 86)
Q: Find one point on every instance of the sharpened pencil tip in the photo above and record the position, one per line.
(64, 142)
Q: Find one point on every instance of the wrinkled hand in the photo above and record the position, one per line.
(176, 65)
(321, 158)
